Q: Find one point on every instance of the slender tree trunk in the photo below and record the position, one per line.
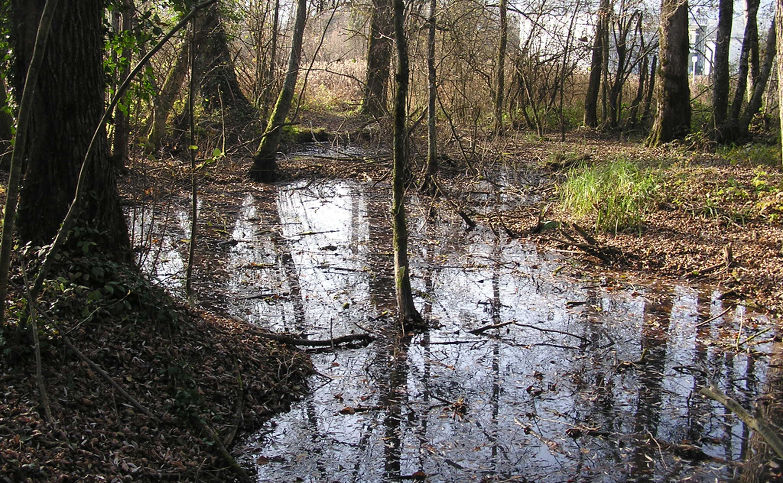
(6, 126)
(647, 110)
(673, 119)
(122, 113)
(616, 89)
(406, 311)
(751, 36)
(64, 115)
(760, 83)
(779, 37)
(501, 67)
(432, 93)
(633, 116)
(721, 77)
(264, 166)
(270, 75)
(596, 65)
(379, 51)
(166, 98)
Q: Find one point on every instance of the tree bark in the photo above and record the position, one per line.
(760, 83)
(407, 314)
(646, 111)
(166, 98)
(500, 72)
(214, 66)
(720, 77)
(673, 119)
(64, 115)
(432, 93)
(779, 43)
(264, 168)
(379, 51)
(6, 125)
(596, 65)
(751, 36)
(120, 140)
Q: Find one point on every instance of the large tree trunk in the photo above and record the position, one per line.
(264, 166)
(406, 311)
(720, 77)
(596, 65)
(673, 119)
(64, 116)
(214, 67)
(166, 98)
(379, 51)
(500, 72)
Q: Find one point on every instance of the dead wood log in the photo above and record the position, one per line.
(764, 429)
(345, 339)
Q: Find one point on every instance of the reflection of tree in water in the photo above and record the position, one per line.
(762, 464)
(650, 369)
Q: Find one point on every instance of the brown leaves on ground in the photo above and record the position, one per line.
(195, 364)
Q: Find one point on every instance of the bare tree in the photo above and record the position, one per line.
(407, 314)
(264, 166)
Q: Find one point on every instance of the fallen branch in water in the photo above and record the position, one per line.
(757, 424)
(345, 339)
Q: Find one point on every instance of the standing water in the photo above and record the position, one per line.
(534, 369)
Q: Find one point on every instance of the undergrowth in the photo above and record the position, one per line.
(615, 195)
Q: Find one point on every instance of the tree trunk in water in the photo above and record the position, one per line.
(751, 37)
(264, 168)
(64, 116)
(214, 67)
(119, 152)
(406, 311)
(760, 83)
(596, 65)
(379, 51)
(501, 67)
(165, 100)
(673, 119)
(432, 93)
(721, 77)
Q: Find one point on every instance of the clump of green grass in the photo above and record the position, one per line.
(616, 194)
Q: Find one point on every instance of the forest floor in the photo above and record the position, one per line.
(195, 377)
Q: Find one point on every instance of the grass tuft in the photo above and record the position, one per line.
(616, 194)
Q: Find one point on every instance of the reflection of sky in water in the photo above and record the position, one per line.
(302, 267)
(556, 369)
(160, 235)
(583, 380)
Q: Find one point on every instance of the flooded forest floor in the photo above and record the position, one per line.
(554, 352)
